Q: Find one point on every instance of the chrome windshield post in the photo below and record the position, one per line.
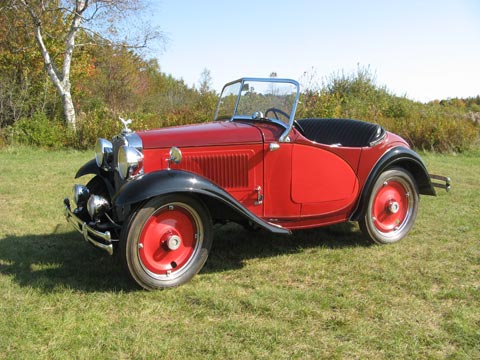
(241, 98)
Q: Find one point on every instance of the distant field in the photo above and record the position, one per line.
(318, 294)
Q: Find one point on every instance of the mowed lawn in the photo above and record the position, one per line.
(323, 293)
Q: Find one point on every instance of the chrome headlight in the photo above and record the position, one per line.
(103, 152)
(130, 162)
(96, 206)
(80, 194)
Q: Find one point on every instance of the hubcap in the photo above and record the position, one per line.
(169, 240)
(174, 242)
(391, 207)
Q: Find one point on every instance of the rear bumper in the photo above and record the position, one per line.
(89, 234)
(441, 182)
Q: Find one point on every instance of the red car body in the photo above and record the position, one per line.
(237, 157)
(157, 193)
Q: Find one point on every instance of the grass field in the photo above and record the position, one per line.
(322, 293)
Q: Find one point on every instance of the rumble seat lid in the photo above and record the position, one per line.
(206, 134)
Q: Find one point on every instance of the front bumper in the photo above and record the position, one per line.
(89, 233)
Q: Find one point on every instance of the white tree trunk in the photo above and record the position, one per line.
(73, 12)
(61, 80)
(69, 111)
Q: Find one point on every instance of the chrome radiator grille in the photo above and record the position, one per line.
(117, 142)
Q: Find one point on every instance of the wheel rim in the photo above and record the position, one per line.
(392, 207)
(169, 241)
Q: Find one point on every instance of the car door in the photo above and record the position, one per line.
(278, 202)
(323, 180)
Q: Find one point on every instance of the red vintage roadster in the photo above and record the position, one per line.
(156, 194)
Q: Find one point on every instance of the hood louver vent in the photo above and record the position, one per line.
(227, 170)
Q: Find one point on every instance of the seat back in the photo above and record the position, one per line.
(342, 132)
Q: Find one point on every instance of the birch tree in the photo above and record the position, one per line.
(99, 19)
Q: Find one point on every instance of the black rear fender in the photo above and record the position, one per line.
(400, 157)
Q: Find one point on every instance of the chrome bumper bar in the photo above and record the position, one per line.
(443, 182)
(87, 231)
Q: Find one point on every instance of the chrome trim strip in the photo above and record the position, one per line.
(86, 230)
(378, 141)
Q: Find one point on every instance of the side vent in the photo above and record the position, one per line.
(226, 170)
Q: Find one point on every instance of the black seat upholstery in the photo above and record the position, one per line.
(342, 132)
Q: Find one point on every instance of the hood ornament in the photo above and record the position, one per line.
(125, 123)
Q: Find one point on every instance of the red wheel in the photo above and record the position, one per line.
(167, 242)
(392, 207)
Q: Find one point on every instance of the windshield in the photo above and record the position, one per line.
(259, 99)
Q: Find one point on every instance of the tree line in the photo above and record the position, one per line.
(108, 78)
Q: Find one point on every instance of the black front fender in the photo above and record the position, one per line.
(88, 168)
(396, 157)
(177, 181)
(91, 168)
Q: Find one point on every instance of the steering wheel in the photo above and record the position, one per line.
(299, 127)
(275, 112)
(296, 124)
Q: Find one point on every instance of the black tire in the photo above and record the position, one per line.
(392, 207)
(166, 241)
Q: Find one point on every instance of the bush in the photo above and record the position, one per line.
(39, 131)
(447, 125)
(435, 133)
(91, 126)
(439, 126)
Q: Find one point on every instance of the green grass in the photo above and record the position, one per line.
(322, 293)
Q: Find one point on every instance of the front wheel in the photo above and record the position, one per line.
(392, 207)
(167, 241)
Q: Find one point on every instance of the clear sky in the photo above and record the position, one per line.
(425, 50)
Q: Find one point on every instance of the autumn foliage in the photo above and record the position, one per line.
(447, 125)
(110, 81)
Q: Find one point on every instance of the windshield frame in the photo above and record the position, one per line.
(288, 126)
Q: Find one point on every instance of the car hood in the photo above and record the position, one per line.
(207, 134)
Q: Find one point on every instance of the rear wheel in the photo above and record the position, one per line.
(392, 207)
(167, 241)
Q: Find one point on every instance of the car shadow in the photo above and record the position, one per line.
(56, 261)
(233, 244)
(63, 260)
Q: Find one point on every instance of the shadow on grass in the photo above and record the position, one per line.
(65, 261)
(61, 261)
(233, 244)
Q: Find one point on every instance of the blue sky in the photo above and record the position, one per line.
(423, 49)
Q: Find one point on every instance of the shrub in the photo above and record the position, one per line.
(39, 131)
(91, 126)
(438, 126)
(447, 125)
